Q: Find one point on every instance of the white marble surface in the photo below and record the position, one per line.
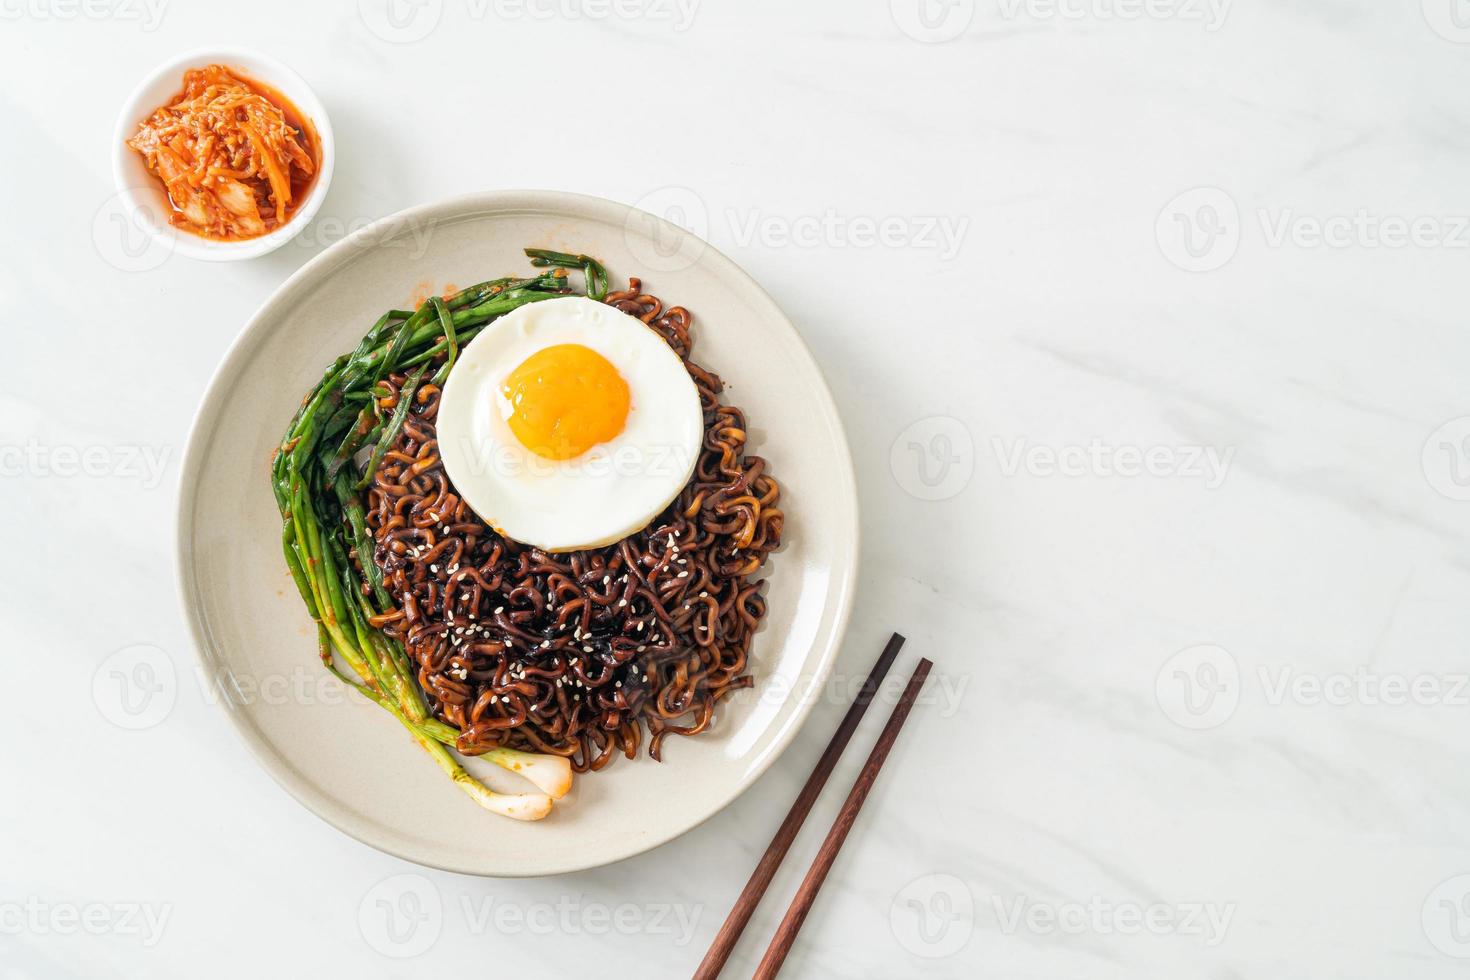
(1203, 720)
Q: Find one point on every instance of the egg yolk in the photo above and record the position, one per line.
(564, 400)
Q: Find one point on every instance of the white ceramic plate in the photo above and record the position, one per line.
(349, 761)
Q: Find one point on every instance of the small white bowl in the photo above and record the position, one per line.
(142, 194)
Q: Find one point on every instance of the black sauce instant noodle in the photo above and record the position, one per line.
(577, 654)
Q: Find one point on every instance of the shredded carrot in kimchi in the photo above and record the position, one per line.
(233, 164)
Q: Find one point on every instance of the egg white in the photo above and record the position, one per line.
(609, 492)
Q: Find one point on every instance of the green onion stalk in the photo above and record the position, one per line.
(318, 483)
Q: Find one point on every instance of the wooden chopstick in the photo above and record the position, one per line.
(760, 878)
(801, 904)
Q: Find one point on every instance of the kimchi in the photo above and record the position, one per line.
(234, 157)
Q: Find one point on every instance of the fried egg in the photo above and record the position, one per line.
(569, 424)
